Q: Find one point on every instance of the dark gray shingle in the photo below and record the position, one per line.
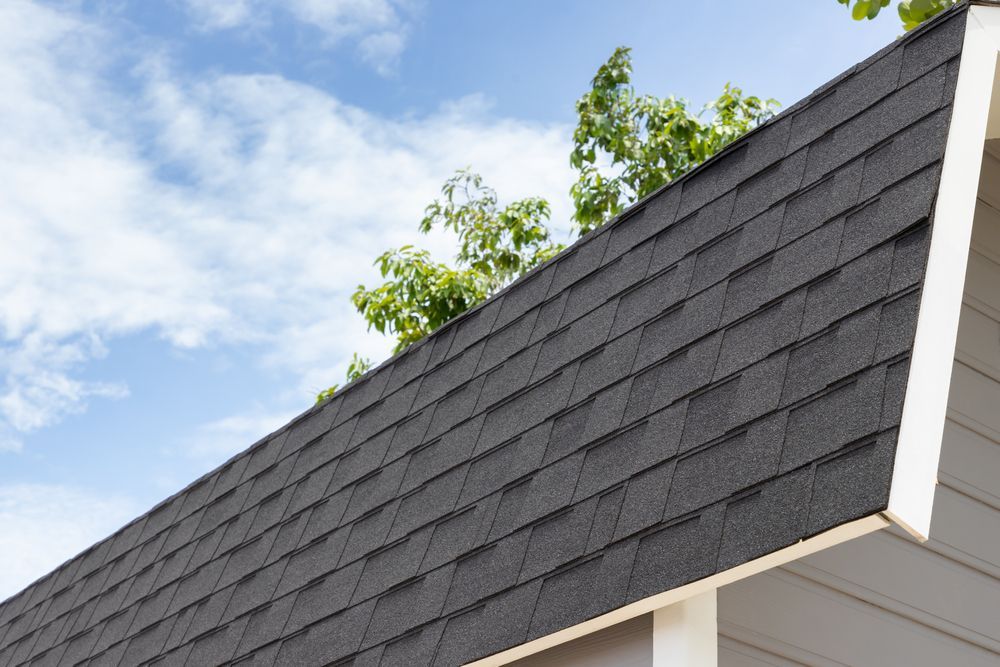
(715, 375)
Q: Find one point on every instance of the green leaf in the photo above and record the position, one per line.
(646, 140)
(911, 12)
(640, 142)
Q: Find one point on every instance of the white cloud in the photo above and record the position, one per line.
(212, 210)
(10, 442)
(340, 18)
(381, 50)
(38, 391)
(220, 14)
(43, 525)
(378, 27)
(218, 440)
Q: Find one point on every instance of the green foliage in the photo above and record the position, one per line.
(495, 246)
(643, 141)
(865, 9)
(499, 245)
(359, 366)
(915, 12)
(911, 12)
(418, 294)
(646, 141)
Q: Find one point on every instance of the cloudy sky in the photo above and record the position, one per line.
(191, 189)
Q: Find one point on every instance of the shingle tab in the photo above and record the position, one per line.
(683, 546)
(312, 602)
(715, 375)
(846, 484)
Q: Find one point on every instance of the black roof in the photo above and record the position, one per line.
(716, 375)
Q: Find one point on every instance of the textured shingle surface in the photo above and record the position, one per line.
(714, 376)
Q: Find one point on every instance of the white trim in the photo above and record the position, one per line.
(832, 537)
(686, 634)
(911, 496)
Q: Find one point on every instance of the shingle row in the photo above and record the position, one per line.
(714, 376)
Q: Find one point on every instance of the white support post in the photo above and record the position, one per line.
(686, 634)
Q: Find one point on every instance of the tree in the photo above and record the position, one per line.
(911, 12)
(642, 143)
(355, 369)
(495, 246)
(648, 141)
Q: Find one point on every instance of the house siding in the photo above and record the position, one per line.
(885, 599)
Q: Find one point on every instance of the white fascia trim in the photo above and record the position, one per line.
(911, 496)
(830, 538)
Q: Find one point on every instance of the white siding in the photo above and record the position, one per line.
(884, 599)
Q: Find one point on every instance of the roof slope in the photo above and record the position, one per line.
(716, 375)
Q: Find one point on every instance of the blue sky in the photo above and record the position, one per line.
(190, 190)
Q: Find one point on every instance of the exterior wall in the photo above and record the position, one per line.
(884, 598)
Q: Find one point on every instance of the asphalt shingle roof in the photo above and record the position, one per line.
(715, 375)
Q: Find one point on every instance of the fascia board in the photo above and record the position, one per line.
(825, 540)
(911, 496)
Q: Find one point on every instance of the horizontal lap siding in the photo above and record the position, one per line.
(883, 598)
(636, 414)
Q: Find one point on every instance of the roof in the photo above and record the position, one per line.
(714, 376)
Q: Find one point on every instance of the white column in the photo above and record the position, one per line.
(685, 634)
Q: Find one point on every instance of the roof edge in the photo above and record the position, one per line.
(638, 205)
(918, 451)
(825, 540)
(609, 226)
